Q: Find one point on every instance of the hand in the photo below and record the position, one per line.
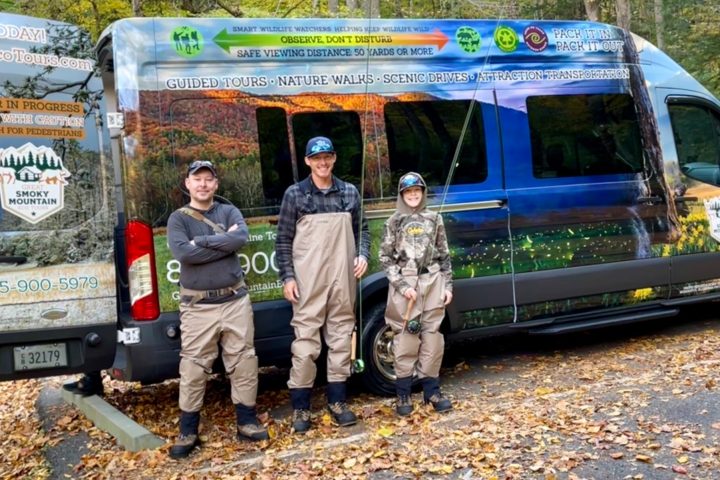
(448, 297)
(360, 266)
(291, 292)
(410, 294)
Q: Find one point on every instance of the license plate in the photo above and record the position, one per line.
(33, 357)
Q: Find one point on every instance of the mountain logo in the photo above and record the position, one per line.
(32, 182)
(187, 41)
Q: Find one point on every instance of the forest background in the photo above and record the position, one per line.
(688, 30)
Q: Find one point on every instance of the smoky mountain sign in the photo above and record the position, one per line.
(32, 181)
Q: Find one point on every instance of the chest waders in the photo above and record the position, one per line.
(418, 353)
(323, 254)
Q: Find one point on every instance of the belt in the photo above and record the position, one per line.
(195, 295)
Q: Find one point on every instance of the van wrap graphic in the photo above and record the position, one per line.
(209, 107)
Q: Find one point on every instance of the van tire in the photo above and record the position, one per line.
(379, 375)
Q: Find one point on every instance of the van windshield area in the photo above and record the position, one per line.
(582, 135)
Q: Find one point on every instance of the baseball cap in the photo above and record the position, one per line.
(319, 145)
(411, 179)
(200, 164)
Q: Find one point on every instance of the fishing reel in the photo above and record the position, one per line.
(413, 326)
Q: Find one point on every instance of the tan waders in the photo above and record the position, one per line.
(323, 254)
(420, 353)
(203, 326)
(424, 351)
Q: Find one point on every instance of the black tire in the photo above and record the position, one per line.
(379, 374)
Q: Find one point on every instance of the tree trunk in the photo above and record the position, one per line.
(659, 24)
(333, 7)
(592, 8)
(622, 7)
(137, 8)
(351, 4)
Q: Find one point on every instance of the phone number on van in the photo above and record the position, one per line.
(45, 284)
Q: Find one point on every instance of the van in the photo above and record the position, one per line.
(575, 165)
(57, 211)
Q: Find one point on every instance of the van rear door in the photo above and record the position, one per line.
(57, 276)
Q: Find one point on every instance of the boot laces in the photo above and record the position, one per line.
(302, 415)
(338, 407)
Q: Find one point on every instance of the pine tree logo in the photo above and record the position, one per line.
(32, 181)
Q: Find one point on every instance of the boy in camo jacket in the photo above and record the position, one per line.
(415, 256)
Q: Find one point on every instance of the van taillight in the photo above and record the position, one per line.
(142, 277)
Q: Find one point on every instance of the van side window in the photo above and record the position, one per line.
(581, 135)
(424, 137)
(275, 158)
(249, 159)
(343, 128)
(696, 129)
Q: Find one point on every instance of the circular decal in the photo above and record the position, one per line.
(187, 41)
(506, 39)
(535, 38)
(468, 38)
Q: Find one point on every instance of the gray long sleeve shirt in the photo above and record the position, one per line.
(212, 263)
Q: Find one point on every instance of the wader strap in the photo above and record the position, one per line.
(202, 218)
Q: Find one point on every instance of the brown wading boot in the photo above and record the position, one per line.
(300, 399)
(188, 438)
(248, 427)
(432, 395)
(337, 407)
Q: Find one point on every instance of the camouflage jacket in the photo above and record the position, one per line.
(417, 240)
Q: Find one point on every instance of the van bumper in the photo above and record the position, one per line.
(89, 347)
(155, 357)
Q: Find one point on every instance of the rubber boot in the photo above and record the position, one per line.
(403, 387)
(89, 384)
(432, 394)
(337, 405)
(188, 438)
(248, 427)
(300, 399)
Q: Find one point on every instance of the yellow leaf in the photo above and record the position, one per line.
(349, 463)
(543, 391)
(643, 458)
(682, 459)
(326, 419)
(385, 431)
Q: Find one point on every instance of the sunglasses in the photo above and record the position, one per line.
(201, 164)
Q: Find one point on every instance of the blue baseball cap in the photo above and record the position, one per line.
(319, 145)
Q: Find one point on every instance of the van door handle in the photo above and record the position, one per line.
(651, 199)
(685, 199)
(13, 260)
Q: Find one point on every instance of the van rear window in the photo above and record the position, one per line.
(424, 137)
(582, 135)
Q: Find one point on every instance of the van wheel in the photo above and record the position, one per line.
(379, 375)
